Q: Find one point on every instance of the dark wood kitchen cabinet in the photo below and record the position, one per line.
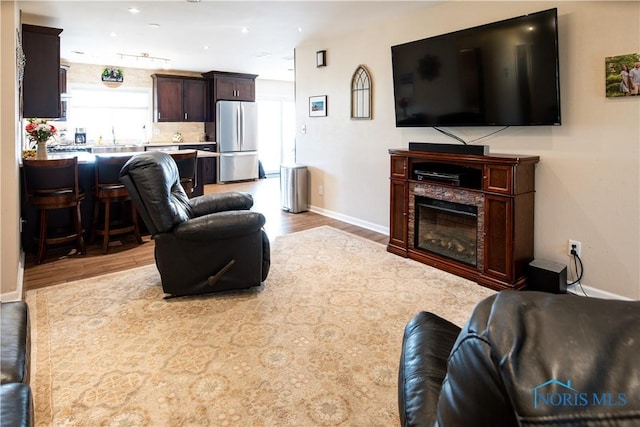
(226, 86)
(178, 99)
(503, 189)
(230, 86)
(41, 82)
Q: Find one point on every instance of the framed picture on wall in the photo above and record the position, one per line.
(318, 106)
(622, 75)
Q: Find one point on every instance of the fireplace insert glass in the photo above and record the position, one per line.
(447, 229)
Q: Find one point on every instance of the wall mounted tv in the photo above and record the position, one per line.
(501, 74)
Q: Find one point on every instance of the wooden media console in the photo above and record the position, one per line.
(470, 215)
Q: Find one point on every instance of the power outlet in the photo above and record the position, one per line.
(578, 247)
(320, 190)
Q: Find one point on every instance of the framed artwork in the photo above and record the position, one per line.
(622, 75)
(318, 106)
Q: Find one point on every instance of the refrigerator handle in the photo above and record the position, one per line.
(241, 126)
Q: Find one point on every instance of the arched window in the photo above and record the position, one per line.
(361, 94)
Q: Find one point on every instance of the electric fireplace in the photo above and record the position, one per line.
(447, 229)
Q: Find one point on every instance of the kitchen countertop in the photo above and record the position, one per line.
(90, 158)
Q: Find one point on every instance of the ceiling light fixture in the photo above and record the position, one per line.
(245, 30)
(144, 56)
(134, 10)
(154, 25)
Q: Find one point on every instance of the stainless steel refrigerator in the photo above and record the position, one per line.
(237, 140)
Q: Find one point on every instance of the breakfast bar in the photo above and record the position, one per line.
(205, 174)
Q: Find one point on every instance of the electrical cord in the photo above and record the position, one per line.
(457, 138)
(576, 261)
(450, 135)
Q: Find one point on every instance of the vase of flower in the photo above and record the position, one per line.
(41, 150)
(39, 131)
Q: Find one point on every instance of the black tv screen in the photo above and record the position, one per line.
(500, 74)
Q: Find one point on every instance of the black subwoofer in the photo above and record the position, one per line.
(547, 276)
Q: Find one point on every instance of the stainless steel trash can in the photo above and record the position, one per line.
(294, 188)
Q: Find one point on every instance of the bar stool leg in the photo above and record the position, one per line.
(96, 216)
(78, 225)
(107, 220)
(134, 220)
(42, 237)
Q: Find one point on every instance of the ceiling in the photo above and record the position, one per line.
(204, 35)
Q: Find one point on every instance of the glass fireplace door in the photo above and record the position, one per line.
(447, 229)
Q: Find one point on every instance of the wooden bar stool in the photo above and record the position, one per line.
(187, 162)
(108, 190)
(49, 185)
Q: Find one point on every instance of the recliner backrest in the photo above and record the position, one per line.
(153, 182)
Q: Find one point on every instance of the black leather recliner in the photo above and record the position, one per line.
(204, 244)
(524, 359)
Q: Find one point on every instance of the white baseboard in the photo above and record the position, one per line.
(350, 220)
(17, 294)
(594, 293)
(574, 289)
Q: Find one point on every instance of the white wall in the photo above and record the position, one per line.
(10, 255)
(588, 179)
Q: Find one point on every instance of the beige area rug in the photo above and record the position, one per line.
(317, 345)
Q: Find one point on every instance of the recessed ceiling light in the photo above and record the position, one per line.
(206, 48)
(245, 30)
(78, 52)
(193, 1)
(113, 34)
(299, 29)
(134, 10)
(154, 25)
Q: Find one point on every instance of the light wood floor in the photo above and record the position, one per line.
(60, 266)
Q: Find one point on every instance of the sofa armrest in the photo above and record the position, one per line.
(221, 225)
(427, 342)
(230, 201)
(15, 342)
(16, 408)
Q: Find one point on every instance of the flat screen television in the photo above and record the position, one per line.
(501, 74)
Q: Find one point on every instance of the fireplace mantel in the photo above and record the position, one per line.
(501, 186)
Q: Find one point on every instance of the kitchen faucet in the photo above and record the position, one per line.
(113, 135)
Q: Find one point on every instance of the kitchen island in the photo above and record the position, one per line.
(86, 178)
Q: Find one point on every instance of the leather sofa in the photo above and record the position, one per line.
(205, 244)
(524, 358)
(16, 401)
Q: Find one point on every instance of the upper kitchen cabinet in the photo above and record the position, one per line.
(178, 99)
(231, 86)
(41, 82)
